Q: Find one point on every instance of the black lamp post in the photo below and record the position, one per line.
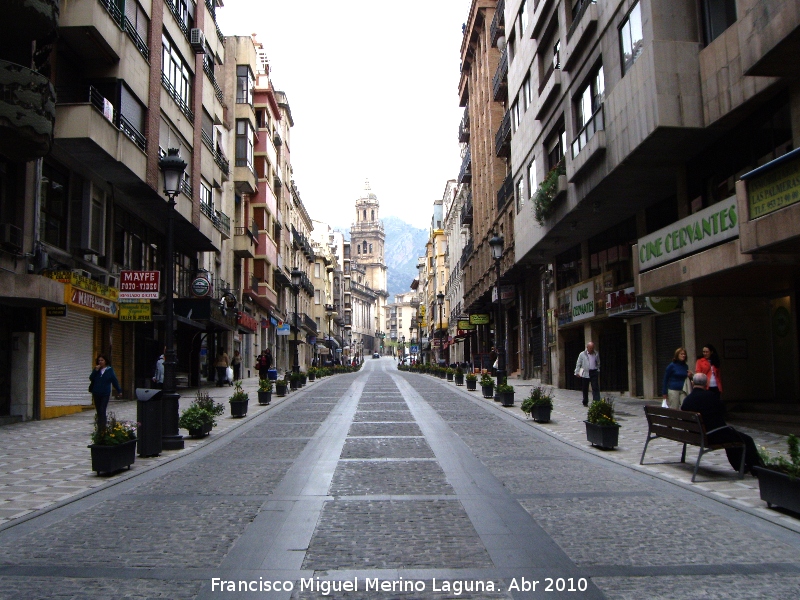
(440, 301)
(403, 348)
(297, 276)
(496, 244)
(172, 166)
(329, 312)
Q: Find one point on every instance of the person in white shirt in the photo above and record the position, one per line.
(588, 369)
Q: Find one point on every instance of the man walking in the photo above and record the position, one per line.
(588, 369)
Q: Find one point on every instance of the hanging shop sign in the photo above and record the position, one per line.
(710, 226)
(621, 301)
(663, 304)
(282, 328)
(775, 189)
(201, 287)
(84, 283)
(92, 302)
(56, 311)
(479, 319)
(506, 293)
(139, 285)
(465, 325)
(247, 321)
(137, 312)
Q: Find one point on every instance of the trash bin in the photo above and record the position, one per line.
(272, 374)
(148, 413)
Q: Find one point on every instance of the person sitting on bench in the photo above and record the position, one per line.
(711, 408)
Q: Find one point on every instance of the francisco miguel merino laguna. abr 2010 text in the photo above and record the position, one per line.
(455, 587)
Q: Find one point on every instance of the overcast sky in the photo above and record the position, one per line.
(373, 88)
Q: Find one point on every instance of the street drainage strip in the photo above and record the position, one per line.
(205, 443)
(785, 522)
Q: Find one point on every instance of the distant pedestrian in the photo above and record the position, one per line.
(676, 380)
(708, 363)
(158, 377)
(236, 363)
(221, 364)
(711, 408)
(101, 379)
(588, 369)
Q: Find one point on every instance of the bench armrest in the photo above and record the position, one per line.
(719, 429)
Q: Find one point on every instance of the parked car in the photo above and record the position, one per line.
(376, 355)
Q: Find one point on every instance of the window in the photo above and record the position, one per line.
(244, 85)
(206, 195)
(365, 214)
(520, 193)
(515, 116)
(359, 248)
(373, 215)
(630, 37)
(316, 270)
(175, 71)
(511, 48)
(527, 92)
(370, 248)
(365, 247)
(556, 146)
(54, 186)
(523, 18)
(244, 144)
(588, 110)
(718, 15)
(530, 175)
(316, 296)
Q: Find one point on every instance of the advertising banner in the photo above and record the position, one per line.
(775, 189)
(582, 298)
(479, 319)
(137, 312)
(139, 284)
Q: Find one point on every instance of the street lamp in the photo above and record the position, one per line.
(411, 339)
(496, 244)
(330, 313)
(172, 166)
(297, 276)
(403, 348)
(440, 301)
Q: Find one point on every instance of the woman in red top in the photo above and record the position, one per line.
(710, 365)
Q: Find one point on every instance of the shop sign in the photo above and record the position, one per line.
(282, 328)
(663, 304)
(84, 299)
(465, 325)
(201, 287)
(506, 293)
(772, 191)
(463, 332)
(84, 283)
(139, 284)
(710, 226)
(138, 312)
(56, 311)
(424, 340)
(479, 319)
(414, 349)
(582, 301)
(621, 301)
(247, 322)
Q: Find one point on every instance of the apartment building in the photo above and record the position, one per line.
(645, 159)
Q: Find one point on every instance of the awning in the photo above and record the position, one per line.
(330, 341)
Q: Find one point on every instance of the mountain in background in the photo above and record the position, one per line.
(404, 245)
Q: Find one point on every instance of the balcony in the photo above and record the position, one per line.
(27, 107)
(32, 20)
(466, 210)
(589, 144)
(500, 81)
(540, 12)
(466, 252)
(465, 174)
(584, 23)
(498, 29)
(244, 178)
(277, 139)
(173, 93)
(548, 92)
(176, 12)
(244, 242)
(223, 224)
(208, 69)
(94, 34)
(222, 163)
(502, 140)
(505, 193)
(463, 127)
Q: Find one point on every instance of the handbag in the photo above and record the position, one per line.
(91, 383)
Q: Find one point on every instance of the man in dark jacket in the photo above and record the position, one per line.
(711, 408)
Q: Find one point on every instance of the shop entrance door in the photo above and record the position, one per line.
(571, 351)
(614, 361)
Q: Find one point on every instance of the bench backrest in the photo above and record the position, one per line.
(678, 425)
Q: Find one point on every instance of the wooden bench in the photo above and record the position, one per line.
(687, 428)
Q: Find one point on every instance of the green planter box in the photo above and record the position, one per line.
(239, 409)
(507, 398)
(541, 414)
(108, 459)
(459, 379)
(603, 436)
(201, 431)
(264, 398)
(488, 391)
(472, 385)
(280, 389)
(778, 489)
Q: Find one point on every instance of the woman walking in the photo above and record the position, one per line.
(236, 363)
(221, 364)
(709, 365)
(101, 379)
(676, 379)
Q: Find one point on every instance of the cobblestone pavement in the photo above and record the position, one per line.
(400, 485)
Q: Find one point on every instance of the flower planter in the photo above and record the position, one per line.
(449, 377)
(603, 436)
(107, 459)
(280, 389)
(304, 381)
(264, 398)
(778, 489)
(200, 432)
(459, 379)
(312, 376)
(507, 398)
(488, 391)
(541, 414)
(239, 408)
(472, 385)
(294, 384)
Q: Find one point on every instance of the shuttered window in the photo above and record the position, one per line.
(69, 359)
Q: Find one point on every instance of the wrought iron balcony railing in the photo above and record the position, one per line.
(500, 81)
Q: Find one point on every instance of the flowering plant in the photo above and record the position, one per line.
(115, 432)
(486, 380)
(601, 412)
(239, 395)
(790, 466)
(539, 397)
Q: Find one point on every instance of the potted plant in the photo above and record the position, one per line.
(280, 387)
(303, 379)
(113, 447)
(450, 373)
(487, 385)
(238, 401)
(472, 382)
(206, 402)
(602, 429)
(264, 391)
(459, 376)
(505, 394)
(538, 405)
(779, 478)
(294, 381)
(312, 373)
(197, 420)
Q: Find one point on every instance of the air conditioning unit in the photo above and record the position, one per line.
(82, 273)
(11, 236)
(197, 39)
(112, 281)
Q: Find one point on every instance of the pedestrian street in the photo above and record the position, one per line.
(386, 484)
